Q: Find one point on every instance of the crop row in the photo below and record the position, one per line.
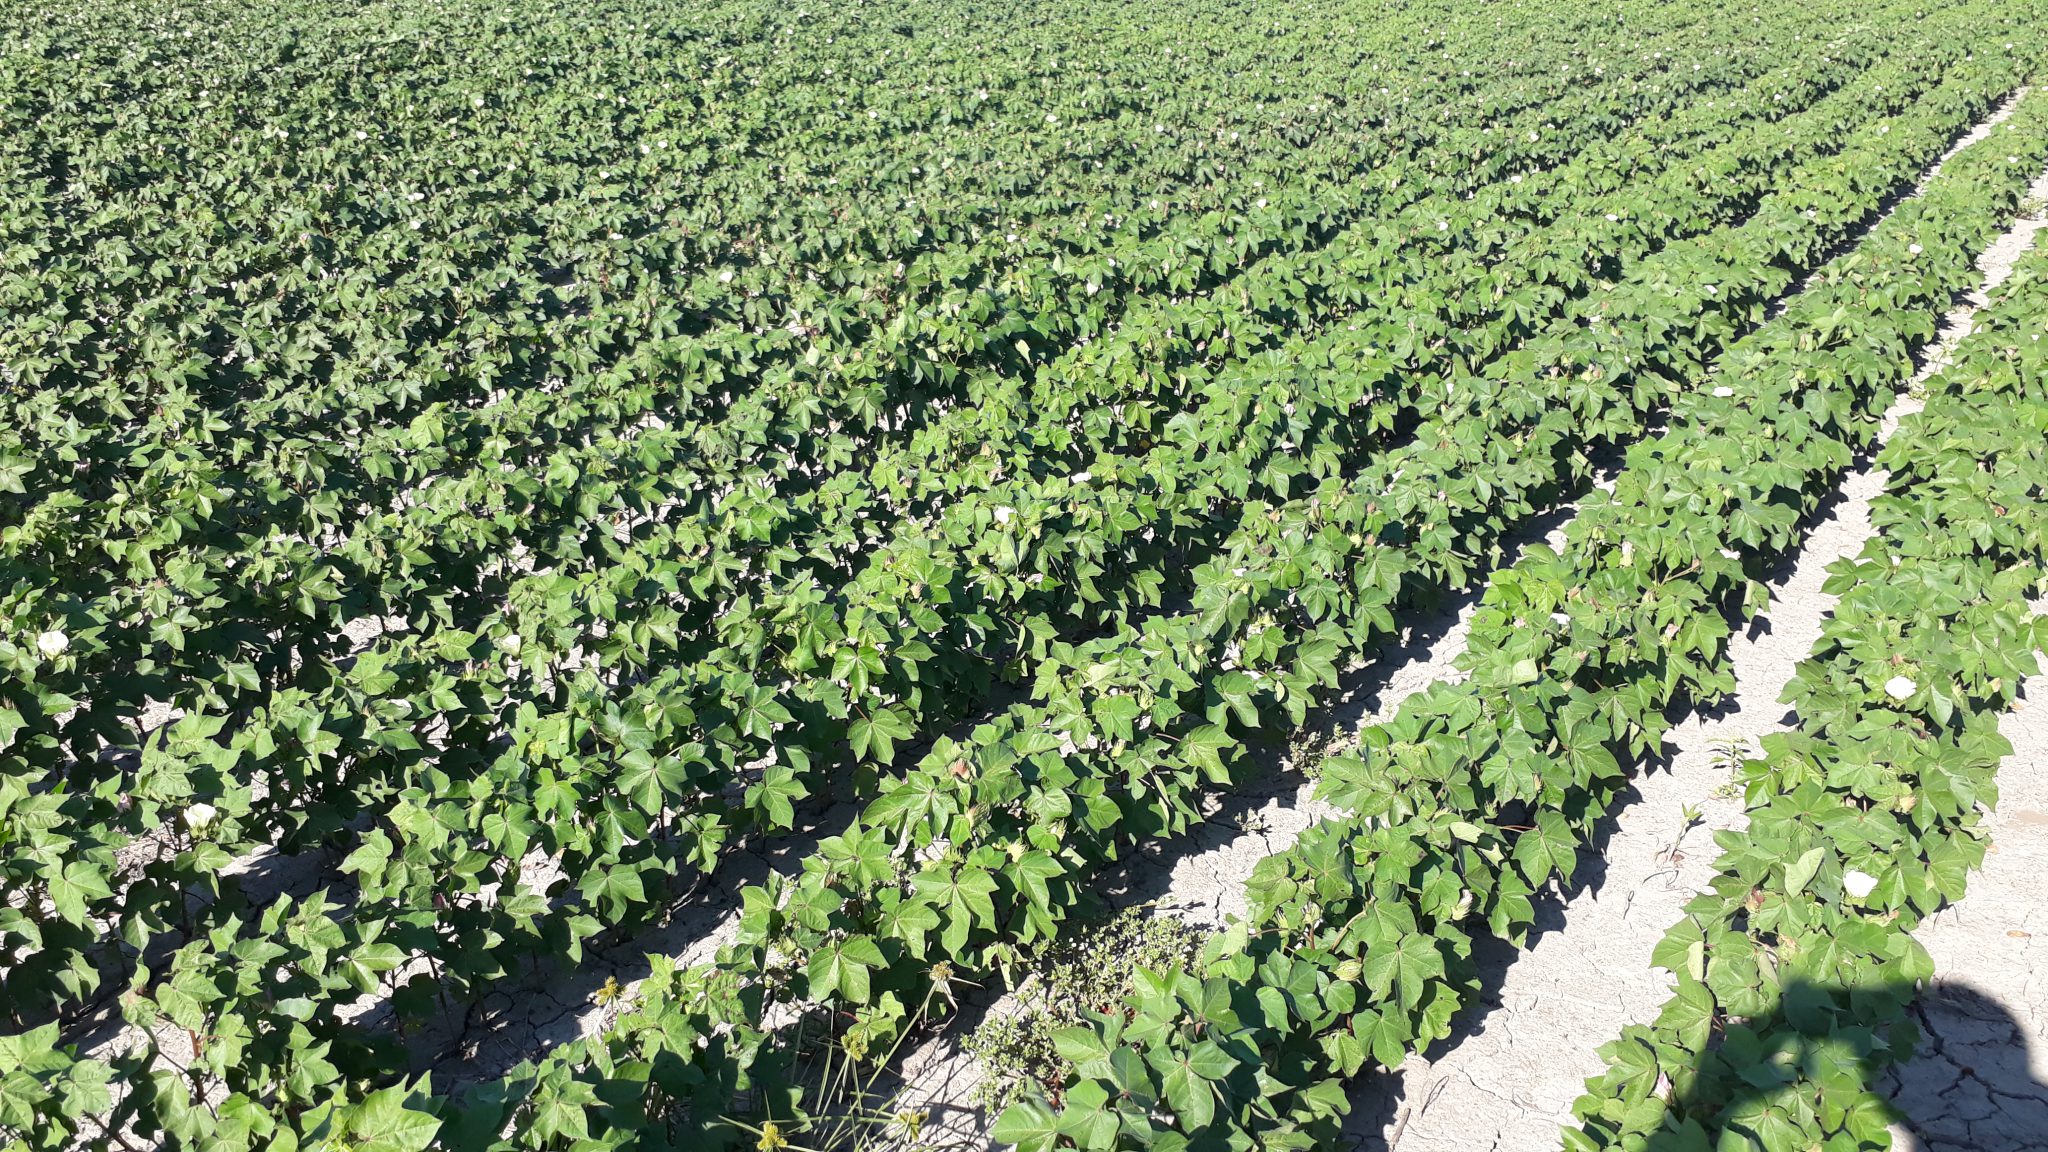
(1014, 768)
(983, 847)
(247, 589)
(276, 452)
(820, 734)
(1479, 795)
(429, 697)
(225, 593)
(1795, 967)
(450, 545)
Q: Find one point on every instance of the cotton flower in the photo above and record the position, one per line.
(1915, 249)
(199, 816)
(1899, 687)
(1724, 392)
(1859, 883)
(1003, 514)
(509, 643)
(52, 644)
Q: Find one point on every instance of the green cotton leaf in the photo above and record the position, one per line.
(561, 1108)
(648, 781)
(874, 737)
(1209, 1061)
(618, 888)
(1405, 968)
(1116, 717)
(1084, 1048)
(1631, 1066)
(84, 1088)
(1204, 748)
(1192, 1099)
(843, 967)
(760, 712)
(1690, 1015)
(1090, 1118)
(1547, 848)
(1801, 872)
(1031, 874)
(1028, 1124)
(10, 723)
(384, 1122)
(1386, 1035)
(77, 883)
(967, 897)
(362, 964)
(777, 792)
(1235, 690)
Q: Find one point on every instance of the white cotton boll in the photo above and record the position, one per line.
(1859, 883)
(52, 644)
(1899, 687)
(200, 816)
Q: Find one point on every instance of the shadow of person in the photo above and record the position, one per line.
(1944, 1068)
(1978, 1081)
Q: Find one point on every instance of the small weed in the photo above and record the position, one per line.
(1729, 756)
(1087, 972)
